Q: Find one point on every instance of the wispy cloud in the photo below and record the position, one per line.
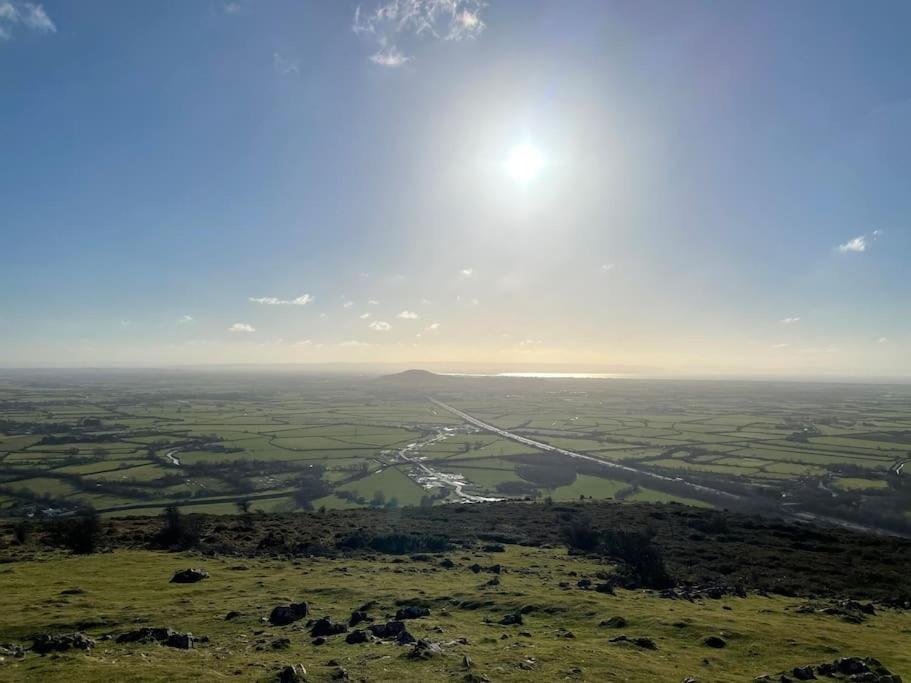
(302, 300)
(373, 302)
(242, 328)
(353, 344)
(184, 319)
(29, 15)
(466, 272)
(860, 243)
(348, 304)
(789, 321)
(882, 340)
(364, 316)
(392, 23)
(432, 327)
(407, 315)
(780, 346)
(380, 326)
(607, 267)
(284, 65)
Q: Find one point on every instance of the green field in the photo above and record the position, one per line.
(139, 442)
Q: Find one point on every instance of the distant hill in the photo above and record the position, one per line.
(415, 378)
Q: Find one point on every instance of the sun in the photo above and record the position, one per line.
(524, 162)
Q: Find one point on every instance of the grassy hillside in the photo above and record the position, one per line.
(118, 591)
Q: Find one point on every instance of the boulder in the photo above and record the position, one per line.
(425, 649)
(11, 650)
(613, 622)
(511, 620)
(60, 643)
(327, 627)
(714, 641)
(288, 614)
(190, 576)
(356, 637)
(412, 612)
(390, 629)
(293, 673)
(357, 617)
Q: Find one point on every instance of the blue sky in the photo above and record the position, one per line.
(723, 187)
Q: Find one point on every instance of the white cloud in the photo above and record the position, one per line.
(394, 22)
(28, 14)
(302, 300)
(232, 8)
(125, 323)
(607, 267)
(364, 316)
(466, 272)
(390, 56)
(241, 327)
(789, 321)
(185, 319)
(380, 326)
(780, 346)
(433, 327)
(373, 302)
(348, 304)
(303, 344)
(860, 243)
(353, 344)
(407, 315)
(882, 340)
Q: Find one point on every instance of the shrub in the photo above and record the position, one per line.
(79, 533)
(178, 531)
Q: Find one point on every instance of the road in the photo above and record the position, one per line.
(547, 448)
(645, 475)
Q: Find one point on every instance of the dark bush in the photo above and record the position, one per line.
(579, 534)
(643, 557)
(79, 533)
(178, 531)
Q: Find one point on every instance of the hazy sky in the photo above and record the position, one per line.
(714, 187)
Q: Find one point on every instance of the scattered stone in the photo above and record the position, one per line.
(293, 673)
(584, 584)
(231, 615)
(714, 641)
(72, 591)
(466, 662)
(495, 581)
(340, 674)
(511, 620)
(475, 678)
(868, 670)
(326, 627)
(412, 612)
(690, 679)
(638, 641)
(11, 650)
(390, 629)
(60, 643)
(281, 644)
(529, 664)
(164, 636)
(190, 576)
(357, 617)
(446, 563)
(424, 649)
(613, 622)
(494, 548)
(569, 634)
(318, 641)
(606, 588)
(288, 614)
(356, 637)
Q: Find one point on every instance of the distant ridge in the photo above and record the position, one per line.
(414, 378)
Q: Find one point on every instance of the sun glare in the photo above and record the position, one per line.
(524, 162)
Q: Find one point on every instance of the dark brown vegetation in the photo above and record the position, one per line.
(689, 546)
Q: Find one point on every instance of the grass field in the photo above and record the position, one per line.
(206, 442)
(121, 590)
